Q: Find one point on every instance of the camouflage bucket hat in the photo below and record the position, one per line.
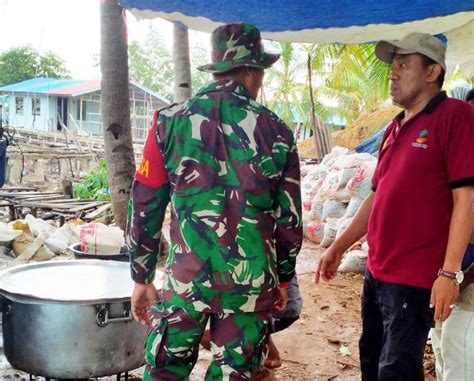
(235, 45)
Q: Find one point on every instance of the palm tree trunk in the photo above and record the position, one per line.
(181, 63)
(115, 107)
(316, 131)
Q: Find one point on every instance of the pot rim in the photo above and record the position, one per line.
(70, 282)
(30, 299)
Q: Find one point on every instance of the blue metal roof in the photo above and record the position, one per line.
(66, 87)
(40, 85)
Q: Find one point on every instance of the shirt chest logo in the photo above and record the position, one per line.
(420, 141)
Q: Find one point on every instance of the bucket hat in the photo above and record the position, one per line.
(235, 45)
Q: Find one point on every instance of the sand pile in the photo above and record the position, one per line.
(307, 148)
(364, 127)
(355, 133)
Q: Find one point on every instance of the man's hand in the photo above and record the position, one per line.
(143, 297)
(281, 303)
(328, 264)
(443, 295)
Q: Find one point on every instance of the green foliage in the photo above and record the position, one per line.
(346, 80)
(199, 57)
(95, 185)
(151, 64)
(22, 63)
(359, 81)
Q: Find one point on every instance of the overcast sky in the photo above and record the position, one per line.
(69, 28)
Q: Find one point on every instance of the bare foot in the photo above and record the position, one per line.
(261, 375)
(273, 359)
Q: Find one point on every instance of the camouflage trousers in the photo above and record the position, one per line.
(172, 347)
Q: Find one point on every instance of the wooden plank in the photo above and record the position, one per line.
(22, 194)
(93, 215)
(37, 194)
(64, 207)
(70, 200)
(17, 194)
(88, 206)
(46, 205)
(18, 189)
(39, 198)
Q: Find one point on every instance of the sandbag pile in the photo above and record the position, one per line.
(333, 191)
(354, 260)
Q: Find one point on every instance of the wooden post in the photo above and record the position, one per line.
(11, 212)
(80, 113)
(316, 130)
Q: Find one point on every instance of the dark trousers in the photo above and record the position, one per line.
(396, 320)
(291, 313)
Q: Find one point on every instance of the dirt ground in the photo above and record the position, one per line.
(312, 348)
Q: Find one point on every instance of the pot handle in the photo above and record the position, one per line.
(102, 318)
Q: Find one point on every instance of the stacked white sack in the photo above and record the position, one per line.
(333, 191)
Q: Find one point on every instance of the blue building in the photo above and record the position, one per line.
(49, 104)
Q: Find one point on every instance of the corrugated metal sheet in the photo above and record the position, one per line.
(77, 89)
(67, 87)
(41, 85)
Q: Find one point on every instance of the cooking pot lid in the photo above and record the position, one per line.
(72, 280)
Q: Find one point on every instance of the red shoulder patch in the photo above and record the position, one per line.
(152, 171)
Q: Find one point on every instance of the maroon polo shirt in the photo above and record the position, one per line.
(420, 163)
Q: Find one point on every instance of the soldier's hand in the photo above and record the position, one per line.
(328, 264)
(281, 303)
(143, 297)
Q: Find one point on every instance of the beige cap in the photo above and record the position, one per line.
(422, 43)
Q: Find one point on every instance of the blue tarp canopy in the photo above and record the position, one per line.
(372, 144)
(327, 21)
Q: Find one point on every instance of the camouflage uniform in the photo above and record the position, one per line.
(230, 168)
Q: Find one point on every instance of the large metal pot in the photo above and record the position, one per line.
(70, 319)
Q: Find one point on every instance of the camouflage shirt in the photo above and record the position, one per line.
(230, 168)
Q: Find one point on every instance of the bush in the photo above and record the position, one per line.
(95, 185)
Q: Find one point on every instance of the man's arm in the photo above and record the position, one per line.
(149, 198)
(146, 213)
(147, 209)
(469, 272)
(330, 260)
(445, 291)
(288, 233)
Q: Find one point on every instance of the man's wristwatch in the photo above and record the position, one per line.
(456, 276)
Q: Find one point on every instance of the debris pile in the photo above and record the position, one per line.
(33, 239)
